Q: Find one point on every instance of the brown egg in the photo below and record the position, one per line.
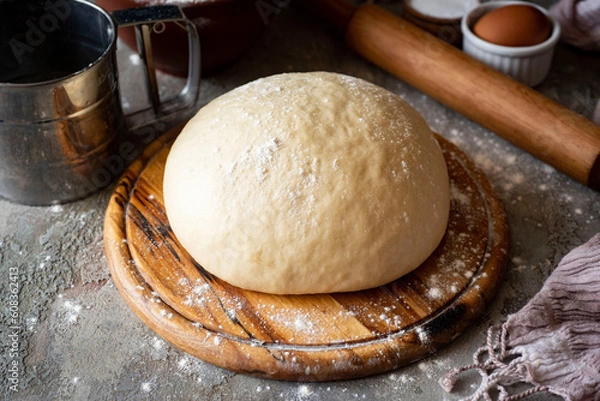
(514, 25)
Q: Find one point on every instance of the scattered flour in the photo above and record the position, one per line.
(517, 260)
(460, 265)
(457, 195)
(31, 322)
(423, 336)
(435, 293)
(304, 390)
(433, 367)
(259, 158)
(57, 209)
(146, 387)
(72, 311)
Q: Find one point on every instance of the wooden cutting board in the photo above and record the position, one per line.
(305, 337)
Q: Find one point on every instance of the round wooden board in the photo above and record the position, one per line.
(305, 337)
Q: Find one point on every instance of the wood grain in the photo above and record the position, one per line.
(305, 337)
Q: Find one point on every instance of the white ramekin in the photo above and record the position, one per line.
(527, 64)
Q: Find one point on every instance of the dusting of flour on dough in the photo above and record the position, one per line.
(258, 158)
(307, 169)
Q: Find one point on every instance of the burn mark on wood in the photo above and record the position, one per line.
(441, 324)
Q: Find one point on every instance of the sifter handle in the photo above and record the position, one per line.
(145, 20)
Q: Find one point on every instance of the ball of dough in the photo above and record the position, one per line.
(307, 183)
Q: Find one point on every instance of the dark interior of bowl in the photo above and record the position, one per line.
(227, 28)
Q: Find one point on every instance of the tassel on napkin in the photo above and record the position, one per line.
(553, 343)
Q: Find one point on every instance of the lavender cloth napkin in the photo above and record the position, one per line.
(579, 22)
(580, 26)
(553, 343)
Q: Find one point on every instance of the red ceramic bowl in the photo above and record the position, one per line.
(226, 28)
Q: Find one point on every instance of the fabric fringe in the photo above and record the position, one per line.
(499, 369)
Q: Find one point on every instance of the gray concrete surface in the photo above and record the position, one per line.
(78, 340)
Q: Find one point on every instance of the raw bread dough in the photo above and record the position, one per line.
(307, 183)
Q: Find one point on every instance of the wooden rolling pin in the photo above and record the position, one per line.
(558, 136)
